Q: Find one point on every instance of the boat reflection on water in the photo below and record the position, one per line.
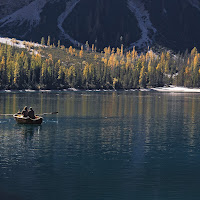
(28, 131)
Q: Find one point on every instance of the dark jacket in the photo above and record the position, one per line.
(31, 114)
(25, 113)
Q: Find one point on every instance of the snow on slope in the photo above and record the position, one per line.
(69, 8)
(142, 16)
(29, 13)
(20, 44)
(10, 42)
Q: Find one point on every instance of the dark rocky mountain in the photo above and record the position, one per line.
(142, 23)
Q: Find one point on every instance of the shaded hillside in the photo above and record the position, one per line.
(176, 22)
(172, 24)
(7, 7)
(103, 21)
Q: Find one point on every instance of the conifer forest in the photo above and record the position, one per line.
(58, 67)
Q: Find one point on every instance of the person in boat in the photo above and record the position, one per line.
(31, 113)
(25, 111)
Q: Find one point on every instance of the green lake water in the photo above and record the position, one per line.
(101, 146)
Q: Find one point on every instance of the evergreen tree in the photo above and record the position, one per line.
(58, 43)
(49, 41)
(42, 41)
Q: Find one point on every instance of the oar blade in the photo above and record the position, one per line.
(53, 113)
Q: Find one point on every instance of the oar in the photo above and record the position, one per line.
(11, 114)
(7, 114)
(53, 113)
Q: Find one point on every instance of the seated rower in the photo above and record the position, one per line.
(25, 111)
(31, 113)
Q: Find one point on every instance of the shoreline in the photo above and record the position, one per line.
(171, 89)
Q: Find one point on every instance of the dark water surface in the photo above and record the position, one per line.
(101, 146)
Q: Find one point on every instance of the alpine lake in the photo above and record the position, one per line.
(101, 146)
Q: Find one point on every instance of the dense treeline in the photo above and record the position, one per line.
(86, 69)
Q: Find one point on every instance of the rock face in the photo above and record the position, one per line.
(9, 6)
(140, 23)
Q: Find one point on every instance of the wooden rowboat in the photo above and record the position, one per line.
(20, 119)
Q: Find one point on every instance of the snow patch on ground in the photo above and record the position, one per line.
(195, 3)
(10, 42)
(142, 16)
(20, 44)
(72, 89)
(174, 89)
(144, 90)
(69, 8)
(28, 14)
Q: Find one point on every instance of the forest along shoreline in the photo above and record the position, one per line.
(170, 89)
(47, 66)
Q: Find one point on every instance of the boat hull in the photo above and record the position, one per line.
(27, 120)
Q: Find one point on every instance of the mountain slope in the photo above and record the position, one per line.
(7, 7)
(176, 22)
(103, 21)
(140, 23)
